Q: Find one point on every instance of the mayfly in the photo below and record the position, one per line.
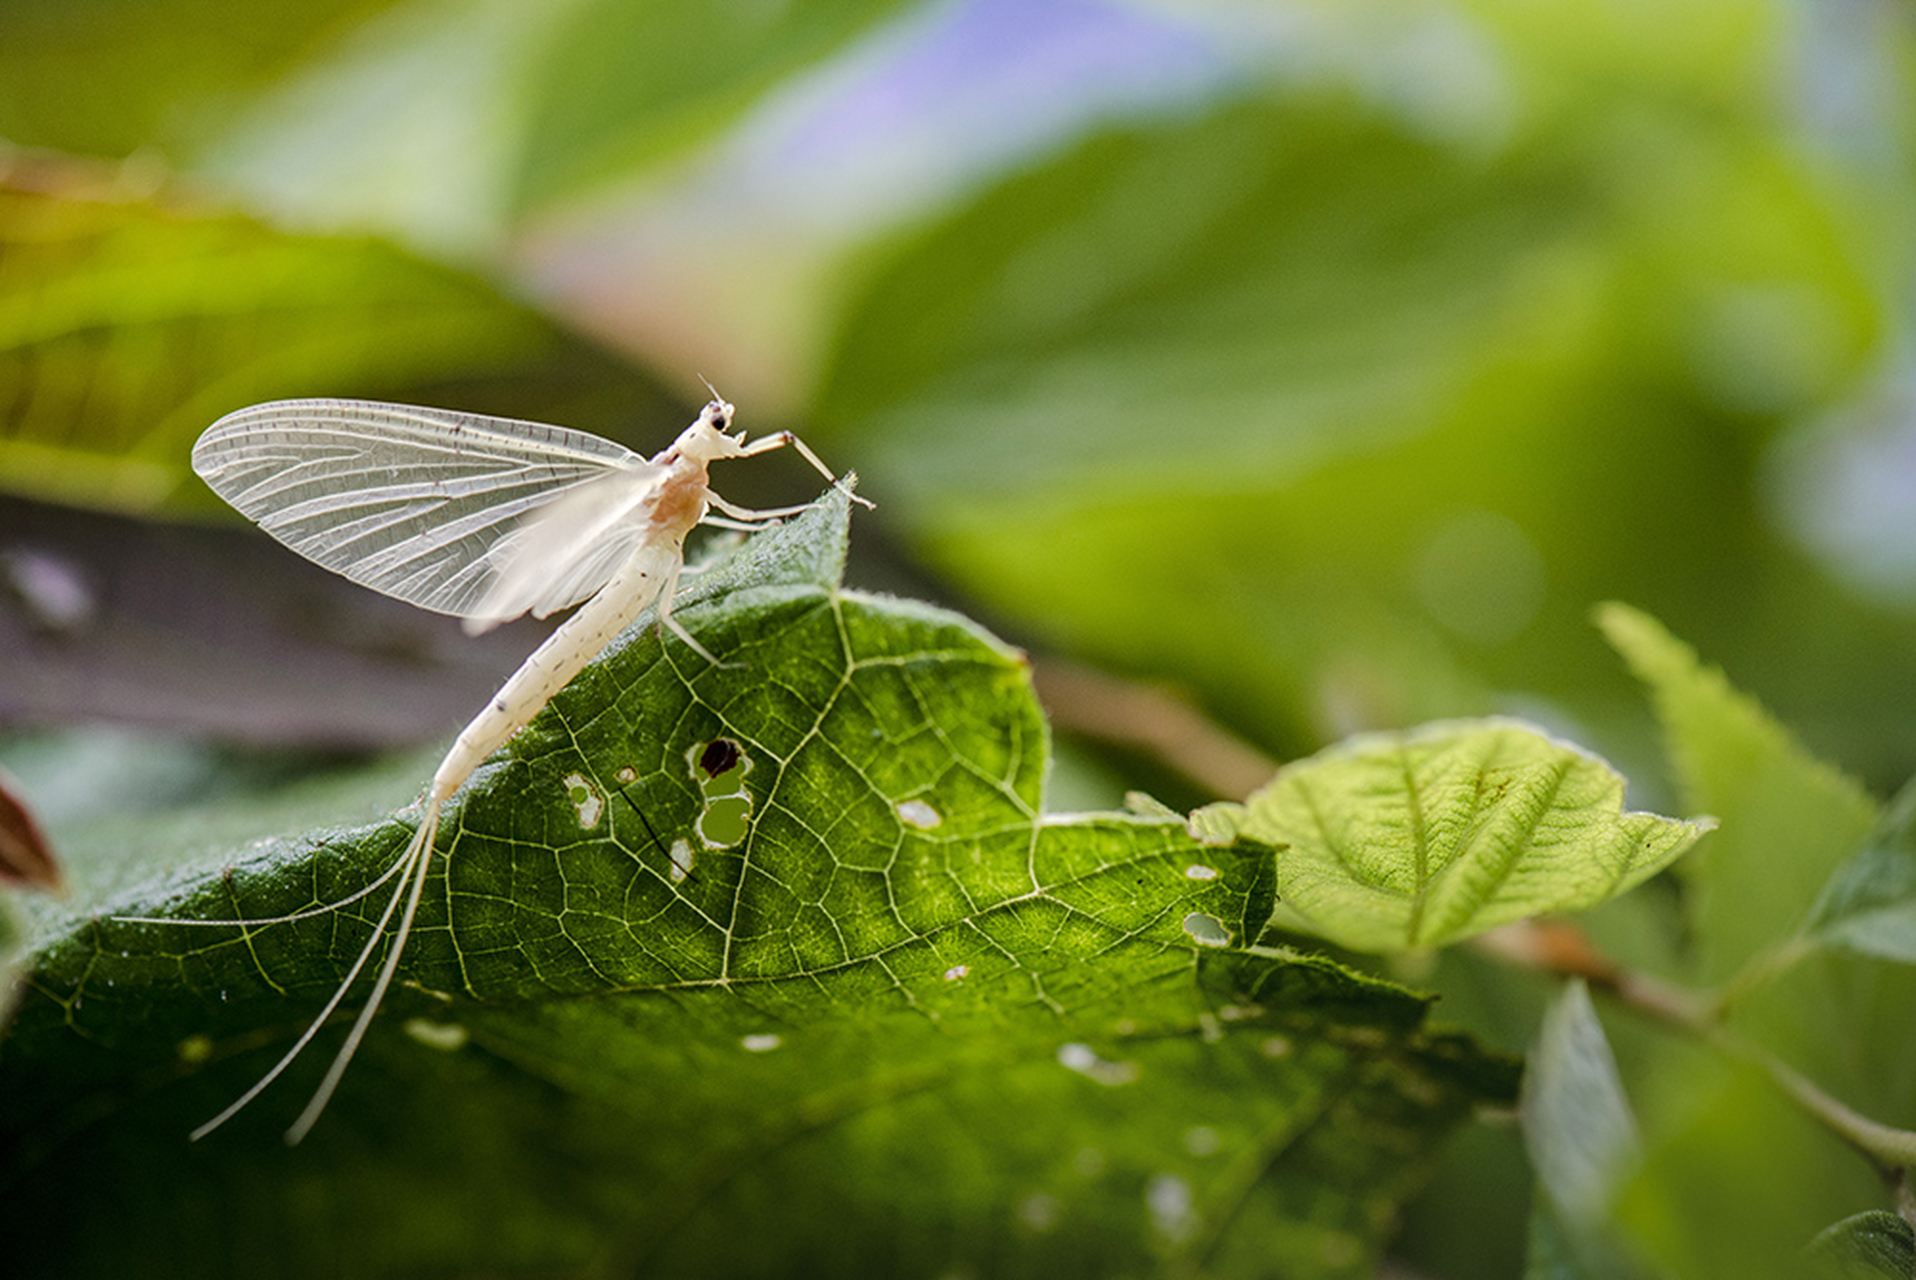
(487, 519)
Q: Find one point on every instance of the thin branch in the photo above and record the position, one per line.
(1153, 720)
(1561, 948)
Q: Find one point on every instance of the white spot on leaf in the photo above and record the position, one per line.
(1198, 871)
(1206, 930)
(448, 1036)
(956, 972)
(1084, 1060)
(585, 798)
(1169, 1199)
(1039, 1212)
(919, 814)
(1201, 1140)
(681, 856)
(762, 1043)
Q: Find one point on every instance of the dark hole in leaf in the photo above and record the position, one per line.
(719, 757)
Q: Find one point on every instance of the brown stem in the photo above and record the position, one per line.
(1561, 948)
(1152, 720)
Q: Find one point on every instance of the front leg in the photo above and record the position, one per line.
(673, 625)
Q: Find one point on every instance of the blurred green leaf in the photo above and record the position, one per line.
(1582, 1141)
(1393, 842)
(906, 1025)
(128, 325)
(1788, 819)
(1346, 424)
(106, 77)
(1735, 1180)
(618, 85)
(1869, 904)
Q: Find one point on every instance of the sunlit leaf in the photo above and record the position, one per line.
(1399, 841)
(907, 1024)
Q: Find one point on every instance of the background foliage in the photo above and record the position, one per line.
(1325, 362)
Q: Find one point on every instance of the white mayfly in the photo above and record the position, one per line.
(487, 519)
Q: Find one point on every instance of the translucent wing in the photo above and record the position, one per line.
(565, 550)
(425, 505)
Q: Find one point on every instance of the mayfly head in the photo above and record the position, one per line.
(705, 440)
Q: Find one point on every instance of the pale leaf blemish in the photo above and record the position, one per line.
(919, 814)
(1084, 1060)
(764, 1042)
(1201, 1140)
(627, 775)
(1206, 930)
(1198, 871)
(1040, 1212)
(956, 972)
(585, 798)
(1171, 1204)
(449, 1037)
(681, 857)
(1276, 1047)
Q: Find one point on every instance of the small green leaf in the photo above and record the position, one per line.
(908, 1024)
(1876, 1245)
(1869, 904)
(1788, 818)
(1403, 840)
(1582, 1140)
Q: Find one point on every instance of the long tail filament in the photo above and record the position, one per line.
(411, 869)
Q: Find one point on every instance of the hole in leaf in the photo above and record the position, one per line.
(719, 768)
(1206, 930)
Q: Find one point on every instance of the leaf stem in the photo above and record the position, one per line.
(1562, 949)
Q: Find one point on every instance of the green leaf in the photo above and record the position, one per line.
(1869, 904)
(1865, 1247)
(127, 326)
(1398, 841)
(1582, 1141)
(909, 1024)
(110, 78)
(1788, 819)
(1344, 424)
(619, 85)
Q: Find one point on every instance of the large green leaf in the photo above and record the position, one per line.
(1344, 423)
(907, 1024)
(1400, 841)
(128, 325)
